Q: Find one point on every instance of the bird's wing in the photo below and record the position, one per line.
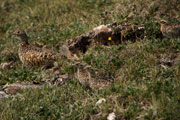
(173, 28)
(39, 56)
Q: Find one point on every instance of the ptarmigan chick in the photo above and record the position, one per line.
(32, 56)
(170, 30)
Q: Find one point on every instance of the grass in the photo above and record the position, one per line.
(144, 86)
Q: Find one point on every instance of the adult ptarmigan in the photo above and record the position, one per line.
(32, 56)
(170, 30)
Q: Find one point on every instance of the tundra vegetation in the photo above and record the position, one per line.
(146, 72)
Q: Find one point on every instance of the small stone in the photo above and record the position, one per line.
(111, 116)
(60, 80)
(102, 28)
(100, 101)
(5, 65)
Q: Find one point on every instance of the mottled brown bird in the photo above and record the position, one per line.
(87, 76)
(32, 56)
(170, 30)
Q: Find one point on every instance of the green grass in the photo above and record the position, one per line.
(143, 88)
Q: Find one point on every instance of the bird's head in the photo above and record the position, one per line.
(19, 32)
(163, 22)
(22, 34)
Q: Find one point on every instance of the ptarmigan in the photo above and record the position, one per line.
(32, 56)
(170, 30)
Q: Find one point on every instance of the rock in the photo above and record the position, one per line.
(100, 101)
(13, 89)
(111, 116)
(60, 79)
(102, 28)
(6, 65)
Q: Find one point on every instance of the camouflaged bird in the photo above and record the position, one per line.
(32, 56)
(170, 30)
(88, 77)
